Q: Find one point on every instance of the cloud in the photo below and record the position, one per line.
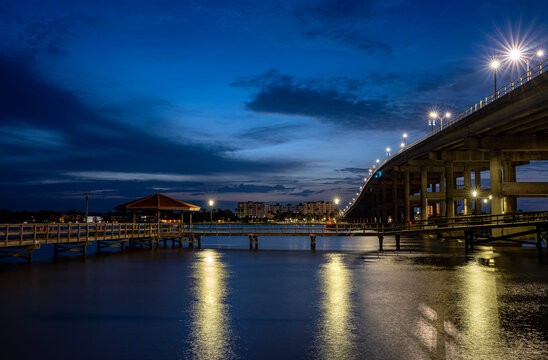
(354, 170)
(333, 101)
(254, 189)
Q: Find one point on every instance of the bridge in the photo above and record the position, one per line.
(503, 131)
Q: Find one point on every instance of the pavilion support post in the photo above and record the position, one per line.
(397, 236)
(467, 186)
(424, 199)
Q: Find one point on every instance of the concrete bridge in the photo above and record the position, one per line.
(503, 131)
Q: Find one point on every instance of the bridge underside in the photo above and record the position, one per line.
(494, 142)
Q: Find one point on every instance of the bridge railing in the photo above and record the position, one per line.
(501, 91)
(476, 221)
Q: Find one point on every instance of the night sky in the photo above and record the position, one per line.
(284, 101)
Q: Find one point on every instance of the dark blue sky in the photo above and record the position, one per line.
(235, 100)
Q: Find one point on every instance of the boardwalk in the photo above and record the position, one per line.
(21, 239)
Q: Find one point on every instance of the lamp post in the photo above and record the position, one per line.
(404, 139)
(475, 195)
(387, 152)
(211, 202)
(495, 65)
(337, 206)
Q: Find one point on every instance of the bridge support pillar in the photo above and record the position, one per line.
(406, 192)
(312, 242)
(397, 236)
(477, 185)
(509, 174)
(424, 199)
(450, 186)
(467, 187)
(442, 190)
(21, 253)
(381, 238)
(395, 219)
(495, 171)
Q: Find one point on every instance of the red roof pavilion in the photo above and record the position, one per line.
(157, 202)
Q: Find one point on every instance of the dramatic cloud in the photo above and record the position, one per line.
(332, 101)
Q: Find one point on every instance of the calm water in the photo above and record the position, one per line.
(343, 301)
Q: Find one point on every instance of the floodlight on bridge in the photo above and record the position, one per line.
(404, 139)
(402, 145)
(388, 152)
(540, 53)
(377, 161)
(474, 193)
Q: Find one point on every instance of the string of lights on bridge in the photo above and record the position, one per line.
(515, 55)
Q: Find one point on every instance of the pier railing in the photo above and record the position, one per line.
(54, 233)
(14, 235)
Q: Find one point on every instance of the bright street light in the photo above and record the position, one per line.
(404, 139)
(336, 201)
(515, 54)
(377, 161)
(388, 152)
(211, 202)
(474, 193)
(402, 145)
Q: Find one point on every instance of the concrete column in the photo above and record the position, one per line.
(406, 191)
(467, 186)
(384, 202)
(424, 199)
(509, 175)
(442, 189)
(495, 171)
(395, 200)
(477, 180)
(449, 187)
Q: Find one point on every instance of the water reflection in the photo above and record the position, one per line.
(480, 312)
(336, 333)
(211, 334)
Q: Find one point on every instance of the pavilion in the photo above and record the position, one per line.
(156, 203)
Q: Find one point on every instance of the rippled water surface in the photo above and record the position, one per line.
(342, 301)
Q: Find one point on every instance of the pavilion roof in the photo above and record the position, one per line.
(157, 202)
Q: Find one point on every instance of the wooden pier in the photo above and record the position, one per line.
(19, 240)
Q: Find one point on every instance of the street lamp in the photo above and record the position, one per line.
(211, 202)
(495, 65)
(432, 121)
(377, 161)
(387, 152)
(405, 138)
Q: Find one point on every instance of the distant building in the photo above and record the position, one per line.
(252, 209)
(319, 208)
(284, 208)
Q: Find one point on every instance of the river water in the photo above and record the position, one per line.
(343, 301)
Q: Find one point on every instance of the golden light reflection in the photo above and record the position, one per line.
(211, 334)
(336, 336)
(480, 312)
